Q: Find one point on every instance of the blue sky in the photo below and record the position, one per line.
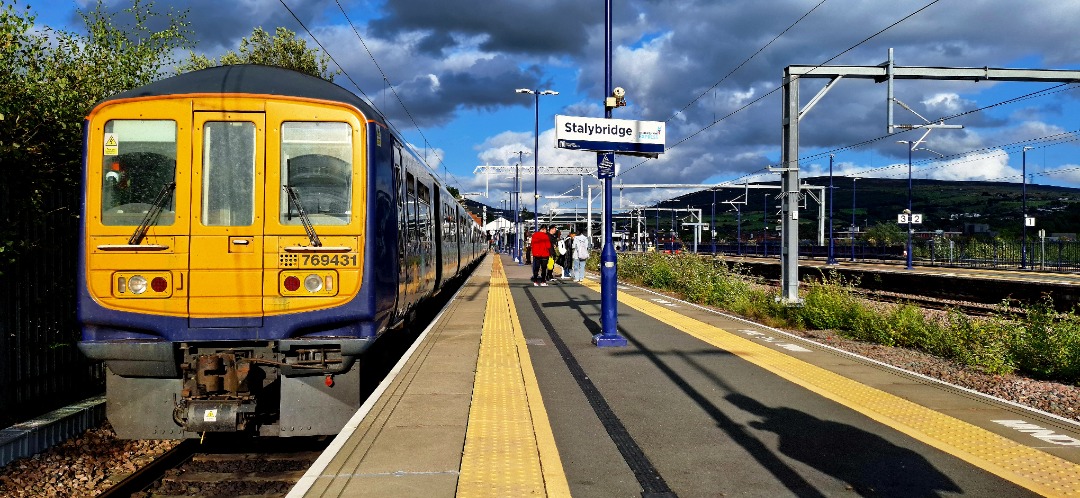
(455, 65)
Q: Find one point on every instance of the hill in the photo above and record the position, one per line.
(949, 206)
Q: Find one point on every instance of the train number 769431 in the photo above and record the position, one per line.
(340, 260)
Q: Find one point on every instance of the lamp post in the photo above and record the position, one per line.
(517, 185)
(832, 259)
(853, 218)
(910, 147)
(536, 144)
(1023, 207)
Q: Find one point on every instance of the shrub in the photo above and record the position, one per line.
(1037, 340)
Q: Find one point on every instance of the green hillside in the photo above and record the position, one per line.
(945, 205)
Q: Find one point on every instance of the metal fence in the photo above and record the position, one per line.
(41, 368)
(1041, 254)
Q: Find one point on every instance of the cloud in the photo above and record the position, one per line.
(712, 70)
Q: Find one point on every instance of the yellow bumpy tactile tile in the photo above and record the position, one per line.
(509, 447)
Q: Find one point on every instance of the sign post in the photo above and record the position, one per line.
(606, 137)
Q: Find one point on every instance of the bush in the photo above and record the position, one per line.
(1036, 341)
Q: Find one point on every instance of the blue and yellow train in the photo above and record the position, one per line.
(248, 232)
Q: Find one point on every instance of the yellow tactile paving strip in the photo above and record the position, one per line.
(1028, 467)
(509, 447)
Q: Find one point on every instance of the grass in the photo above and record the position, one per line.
(1032, 340)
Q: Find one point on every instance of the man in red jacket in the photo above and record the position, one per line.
(541, 251)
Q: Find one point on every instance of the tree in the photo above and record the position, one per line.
(283, 50)
(51, 82)
(884, 234)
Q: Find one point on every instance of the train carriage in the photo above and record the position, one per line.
(248, 231)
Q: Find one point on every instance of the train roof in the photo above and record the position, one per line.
(250, 79)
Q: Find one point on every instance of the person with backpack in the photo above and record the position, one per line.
(567, 254)
(580, 254)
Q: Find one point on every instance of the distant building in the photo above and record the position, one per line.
(977, 229)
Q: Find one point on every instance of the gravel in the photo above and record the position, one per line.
(87, 465)
(83, 466)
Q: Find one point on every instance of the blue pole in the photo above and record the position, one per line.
(609, 302)
(536, 161)
(832, 258)
(853, 218)
(765, 226)
(910, 146)
(712, 223)
(1023, 240)
(738, 231)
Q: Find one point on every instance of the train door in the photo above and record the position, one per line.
(441, 224)
(226, 257)
(403, 234)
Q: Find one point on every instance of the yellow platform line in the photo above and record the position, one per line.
(1036, 470)
(509, 446)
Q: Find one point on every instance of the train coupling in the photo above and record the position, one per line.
(219, 392)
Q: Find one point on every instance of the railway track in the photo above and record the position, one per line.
(226, 466)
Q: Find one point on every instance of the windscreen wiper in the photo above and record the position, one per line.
(152, 213)
(294, 199)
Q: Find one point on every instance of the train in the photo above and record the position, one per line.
(248, 232)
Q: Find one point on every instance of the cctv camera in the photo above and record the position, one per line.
(618, 92)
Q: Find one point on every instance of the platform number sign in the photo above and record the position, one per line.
(914, 219)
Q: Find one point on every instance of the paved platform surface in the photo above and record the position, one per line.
(507, 396)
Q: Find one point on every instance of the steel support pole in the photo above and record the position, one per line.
(609, 302)
(789, 248)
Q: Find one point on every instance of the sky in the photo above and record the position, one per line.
(445, 74)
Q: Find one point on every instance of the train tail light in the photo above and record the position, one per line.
(291, 283)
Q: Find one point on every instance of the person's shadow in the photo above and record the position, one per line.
(867, 462)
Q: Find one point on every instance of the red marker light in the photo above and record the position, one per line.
(159, 284)
(329, 381)
(292, 283)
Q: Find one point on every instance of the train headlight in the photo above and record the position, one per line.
(307, 283)
(137, 284)
(313, 283)
(142, 284)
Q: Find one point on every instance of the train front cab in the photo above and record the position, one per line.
(231, 313)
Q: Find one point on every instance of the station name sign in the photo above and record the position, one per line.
(623, 136)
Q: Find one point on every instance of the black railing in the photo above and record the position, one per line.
(41, 368)
(1042, 255)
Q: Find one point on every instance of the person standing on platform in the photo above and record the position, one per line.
(567, 260)
(540, 248)
(580, 254)
(553, 237)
